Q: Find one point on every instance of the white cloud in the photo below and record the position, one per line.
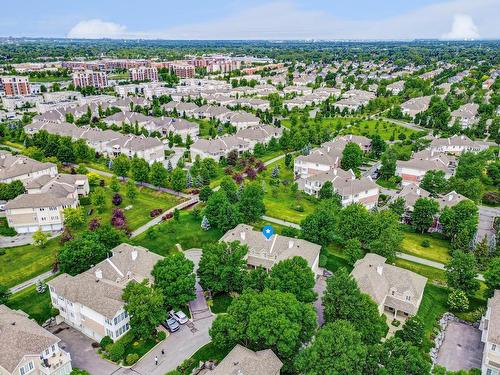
(463, 27)
(285, 19)
(96, 29)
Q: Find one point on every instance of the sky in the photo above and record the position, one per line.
(252, 19)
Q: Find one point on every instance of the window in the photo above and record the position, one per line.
(28, 367)
(408, 298)
(493, 347)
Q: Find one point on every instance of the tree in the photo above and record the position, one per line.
(492, 277)
(145, 305)
(40, 238)
(230, 188)
(293, 276)
(114, 185)
(424, 211)
(98, 199)
(461, 272)
(121, 166)
(131, 190)
(400, 357)
(256, 279)
(352, 156)
(458, 300)
(460, 223)
(378, 145)
(205, 225)
(388, 166)
(353, 250)
(413, 331)
(175, 277)
(320, 226)
(80, 254)
(434, 182)
(73, 217)
(355, 221)
(336, 349)
(205, 193)
(220, 213)
(222, 267)
(251, 203)
(343, 300)
(139, 169)
(178, 179)
(4, 294)
(398, 206)
(271, 319)
(326, 191)
(288, 160)
(158, 175)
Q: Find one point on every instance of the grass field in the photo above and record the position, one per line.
(22, 263)
(221, 303)
(36, 305)
(357, 126)
(187, 232)
(439, 249)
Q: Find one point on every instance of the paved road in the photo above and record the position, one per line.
(30, 282)
(158, 219)
(198, 307)
(21, 239)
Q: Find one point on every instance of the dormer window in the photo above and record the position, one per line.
(408, 298)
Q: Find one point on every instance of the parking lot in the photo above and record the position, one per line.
(462, 348)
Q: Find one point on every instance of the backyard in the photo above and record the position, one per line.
(426, 245)
(36, 305)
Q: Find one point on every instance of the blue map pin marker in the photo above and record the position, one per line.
(268, 231)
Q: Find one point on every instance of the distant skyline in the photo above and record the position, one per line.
(256, 19)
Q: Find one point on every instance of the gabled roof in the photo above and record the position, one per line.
(243, 361)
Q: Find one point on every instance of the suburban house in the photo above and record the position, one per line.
(351, 189)
(416, 105)
(43, 205)
(267, 252)
(22, 168)
(490, 327)
(466, 115)
(91, 302)
(27, 348)
(457, 144)
(412, 171)
(259, 134)
(241, 360)
(393, 289)
(396, 87)
(410, 193)
(182, 108)
(218, 147)
(178, 126)
(129, 118)
(241, 119)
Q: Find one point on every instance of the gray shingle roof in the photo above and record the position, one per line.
(243, 361)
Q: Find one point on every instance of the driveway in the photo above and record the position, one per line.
(462, 348)
(21, 239)
(319, 288)
(485, 226)
(83, 356)
(198, 307)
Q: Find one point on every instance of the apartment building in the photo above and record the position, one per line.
(412, 171)
(27, 348)
(465, 115)
(490, 327)
(457, 144)
(143, 73)
(219, 147)
(396, 87)
(86, 78)
(183, 70)
(15, 85)
(91, 302)
(22, 168)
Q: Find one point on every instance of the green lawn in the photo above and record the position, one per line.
(205, 353)
(357, 126)
(187, 232)
(221, 303)
(36, 305)
(138, 215)
(439, 249)
(22, 263)
(332, 259)
(433, 274)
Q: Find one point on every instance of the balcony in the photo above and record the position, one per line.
(50, 365)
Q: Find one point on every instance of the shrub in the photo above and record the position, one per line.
(162, 335)
(396, 323)
(85, 201)
(458, 300)
(323, 259)
(132, 358)
(168, 216)
(2, 252)
(492, 198)
(299, 208)
(116, 351)
(117, 199)
(94, 224)
(106, 340)
(156, 212)
(152, 233)
(425, 243)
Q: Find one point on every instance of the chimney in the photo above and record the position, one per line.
(418, 191)
(380, 269)
(98, 273)
(290, 244)
(335, 172)
(134, 254)
(242, 235)
(450, 197)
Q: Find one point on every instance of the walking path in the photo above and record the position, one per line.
(411, 258)
(31, 282)
(271, 161)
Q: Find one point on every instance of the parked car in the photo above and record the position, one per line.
(171, 325)
(179, 316)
